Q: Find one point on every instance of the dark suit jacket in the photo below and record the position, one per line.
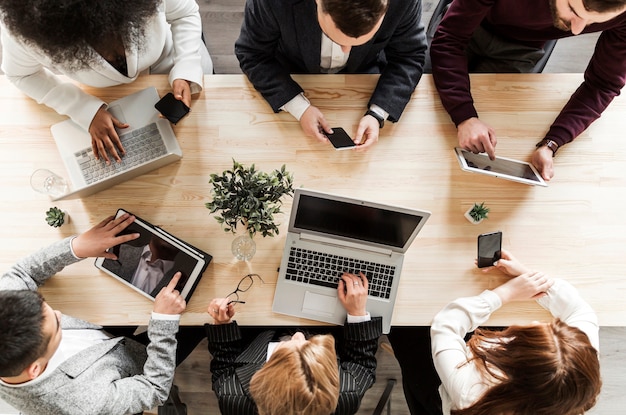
(232, 367)
(280, 37)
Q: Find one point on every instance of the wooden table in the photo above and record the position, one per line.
(575, 228)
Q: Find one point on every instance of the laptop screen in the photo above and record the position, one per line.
(357, 221)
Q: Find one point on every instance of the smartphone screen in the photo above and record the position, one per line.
(340, 139)
(489, 247)
(171, 108)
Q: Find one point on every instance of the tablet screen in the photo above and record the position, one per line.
(149, 262)
(500, 167)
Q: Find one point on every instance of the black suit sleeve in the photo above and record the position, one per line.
(405, 53)
(256, 50)
(357, 370)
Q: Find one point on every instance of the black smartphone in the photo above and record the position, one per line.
(171, 108)
(489, 248)
(340, 139)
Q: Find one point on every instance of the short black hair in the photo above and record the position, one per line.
(604, 6)
(21, 330)
(68, 31)
(355, 18)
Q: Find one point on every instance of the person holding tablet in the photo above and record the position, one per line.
(533, 369)
(55, 364)
(281, 37)
(508, 36)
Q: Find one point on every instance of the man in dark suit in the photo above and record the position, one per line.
(256, 375)
(281, 37)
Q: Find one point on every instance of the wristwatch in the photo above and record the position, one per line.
(381, 120)
(550, 144)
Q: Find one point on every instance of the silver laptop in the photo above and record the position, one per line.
(330, 234)
(149, 142)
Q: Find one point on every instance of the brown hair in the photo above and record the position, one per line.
(355, 18)
(300, 382)
(542, 369)
(604, 6)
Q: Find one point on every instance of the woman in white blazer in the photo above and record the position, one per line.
(100, 44)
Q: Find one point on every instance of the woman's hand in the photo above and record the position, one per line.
(221, 311)
(528, 286)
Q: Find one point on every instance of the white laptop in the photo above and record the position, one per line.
(330, 234)
(149, 142)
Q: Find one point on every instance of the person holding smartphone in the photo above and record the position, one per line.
(100, 44)
(281, 37)
(538, 368)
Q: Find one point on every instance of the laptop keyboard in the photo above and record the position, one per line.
(322, 269)
(141, 145)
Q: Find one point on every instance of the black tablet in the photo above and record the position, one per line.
(148, 263)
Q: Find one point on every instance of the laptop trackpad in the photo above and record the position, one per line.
(319, 304)
(116, 111)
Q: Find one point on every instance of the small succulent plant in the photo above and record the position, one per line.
(479, 211)
(55, 217)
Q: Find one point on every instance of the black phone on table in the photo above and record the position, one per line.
(489, 248)
(172, 108)
(340, 139)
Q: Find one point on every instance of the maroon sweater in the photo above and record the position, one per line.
(528, 22)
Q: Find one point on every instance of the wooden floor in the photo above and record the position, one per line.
(222, 19)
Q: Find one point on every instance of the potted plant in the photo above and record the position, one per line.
(56, 217)
(248, 197)
(477, 213)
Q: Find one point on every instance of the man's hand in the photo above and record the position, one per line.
(104, 138)
(509, 265)
(221, 311)
(182, 91)
(314, 124)
(528, 286)
(169, 300)
(367, 133)
(477, 137)
(96, 241)
(352, 292)
(543, 160)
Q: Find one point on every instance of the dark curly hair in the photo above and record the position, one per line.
(68, 31)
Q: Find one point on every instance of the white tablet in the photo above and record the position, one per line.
(504, 168)
(148, 263)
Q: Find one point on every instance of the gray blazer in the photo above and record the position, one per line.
(116, 376)
(280, 37)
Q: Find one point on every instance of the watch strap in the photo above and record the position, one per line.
(551, 144)
(381, 120)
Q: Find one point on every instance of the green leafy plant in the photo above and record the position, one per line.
(246, 196)
(479, 211)
(55, 217)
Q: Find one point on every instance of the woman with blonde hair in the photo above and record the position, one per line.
(535, 369)
(296, 375)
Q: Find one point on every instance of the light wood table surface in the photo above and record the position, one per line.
(575, 228)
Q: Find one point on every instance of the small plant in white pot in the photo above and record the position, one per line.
(477, 213)
(56, 217)
(251, 198)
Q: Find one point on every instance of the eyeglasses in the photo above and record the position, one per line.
(244, 285)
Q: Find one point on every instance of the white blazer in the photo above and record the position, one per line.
(176, 22)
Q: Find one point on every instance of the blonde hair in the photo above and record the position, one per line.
(304, 381)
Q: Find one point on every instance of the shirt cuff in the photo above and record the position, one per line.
(359, 319)
(72, 247)
(296, 106)
(378, 110)
(159, 316)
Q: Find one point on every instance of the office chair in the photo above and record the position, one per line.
(385, 399)
(440, 11)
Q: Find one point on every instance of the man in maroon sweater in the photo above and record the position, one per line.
(520, 28)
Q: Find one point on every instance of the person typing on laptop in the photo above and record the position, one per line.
(55, 364)
(100, 44)
(295, 375)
